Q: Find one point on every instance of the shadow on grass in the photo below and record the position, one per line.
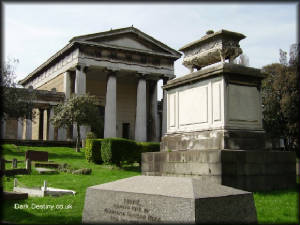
(131, 168)
(13, 152)
(64, 155)
(280, 192)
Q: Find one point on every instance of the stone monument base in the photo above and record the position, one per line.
(248, 170)
(214, 139)
(151, 199)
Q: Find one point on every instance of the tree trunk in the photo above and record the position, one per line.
(78, 138)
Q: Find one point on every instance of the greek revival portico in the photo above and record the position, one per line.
(121, 67)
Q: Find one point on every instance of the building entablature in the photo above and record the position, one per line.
(127, 49)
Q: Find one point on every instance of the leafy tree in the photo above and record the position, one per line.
(280, 96)
(16, 102)
(79, 110)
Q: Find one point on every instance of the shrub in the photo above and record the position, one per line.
(147, 147)
(115, 150)
(93, 150)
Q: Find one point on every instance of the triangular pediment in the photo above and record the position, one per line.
(129, 38)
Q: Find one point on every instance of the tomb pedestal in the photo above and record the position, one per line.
(214, 124)
(215, 132)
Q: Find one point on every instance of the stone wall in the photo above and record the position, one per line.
(126, 106)
(96, 87)
(57, 82)
(201, 164)
(11, 129)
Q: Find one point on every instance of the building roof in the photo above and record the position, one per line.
(88, 40)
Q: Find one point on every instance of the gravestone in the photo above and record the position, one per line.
(14, 163)
(36, 155)
(153, 199)
(28, 165)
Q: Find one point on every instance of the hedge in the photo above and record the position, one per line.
(149, 146)
(116, 150)
(93, 150)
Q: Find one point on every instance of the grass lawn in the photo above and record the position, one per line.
(273, 207)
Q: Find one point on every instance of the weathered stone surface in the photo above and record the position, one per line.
(148, 199)
(212, 48)
(214, 139)
(247, 170)
(36, 155)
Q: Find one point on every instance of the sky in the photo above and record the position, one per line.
(33, 32)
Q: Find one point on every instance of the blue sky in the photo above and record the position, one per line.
(33, 31)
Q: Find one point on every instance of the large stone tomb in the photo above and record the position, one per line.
(214, 124)
(153, 199)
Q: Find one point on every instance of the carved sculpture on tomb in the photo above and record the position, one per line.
(212, 48)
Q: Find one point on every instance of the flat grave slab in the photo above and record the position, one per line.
(46, 164)
(46, 170)
(156, 199)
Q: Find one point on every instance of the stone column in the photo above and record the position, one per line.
(164, 113)
(3, 128)
(141, 111)
(62, 134)
(41, 124)
(67, 84)
(20, 129)
(28, 131)
(74, 131)
(80, 89)
(51, 127)
(110, 123)
(80, 80)
(154, 114)
(46, 125)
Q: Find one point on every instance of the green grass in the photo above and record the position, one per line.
(279, 207)
(79, 183)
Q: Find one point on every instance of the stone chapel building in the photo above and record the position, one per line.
(121, 67)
